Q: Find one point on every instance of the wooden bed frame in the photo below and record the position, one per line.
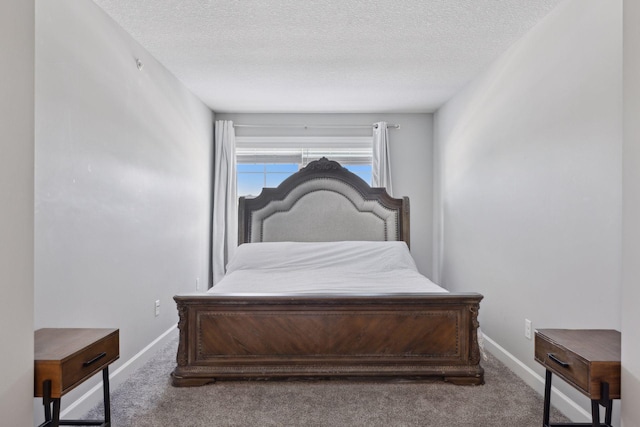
(301, 336)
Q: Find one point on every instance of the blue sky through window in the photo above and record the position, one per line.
(253, 177)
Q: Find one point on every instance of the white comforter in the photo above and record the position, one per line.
(357, 268)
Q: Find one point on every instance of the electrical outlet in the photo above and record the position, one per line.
(527, 328)
(197, 283)
(157, 307)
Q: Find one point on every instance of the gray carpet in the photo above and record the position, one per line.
(147, 399)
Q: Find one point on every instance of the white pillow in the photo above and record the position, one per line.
(351, 256)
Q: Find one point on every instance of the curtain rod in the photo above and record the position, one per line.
(393, 126)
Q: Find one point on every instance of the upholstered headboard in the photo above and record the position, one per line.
(323, 202)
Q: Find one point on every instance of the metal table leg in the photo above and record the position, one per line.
(547, 399)
(53, 419)
(595, 407)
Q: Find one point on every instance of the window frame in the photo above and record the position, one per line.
(347, 150)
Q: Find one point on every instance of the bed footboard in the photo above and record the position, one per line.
(408, 336)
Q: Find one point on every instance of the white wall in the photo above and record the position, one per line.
(529, 159)
(16, 196)
(122, 181)
(411, 159)
(631, 218)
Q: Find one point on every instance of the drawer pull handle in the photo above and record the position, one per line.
(94, 360)
(558, 361)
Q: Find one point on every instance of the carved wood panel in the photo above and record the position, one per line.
(317, 334)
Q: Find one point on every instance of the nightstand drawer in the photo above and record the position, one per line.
(588, 359)
(562, 362)
(67, 357)
(89, 361)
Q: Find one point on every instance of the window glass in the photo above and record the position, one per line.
(363, 171)
(250, 167)
(287, 168)
(253, 177)
(266, 161)
(250, 183)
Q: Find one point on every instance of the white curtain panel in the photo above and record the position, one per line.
(225, 199)
(381, 173)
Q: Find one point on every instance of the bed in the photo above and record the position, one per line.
(293, 304)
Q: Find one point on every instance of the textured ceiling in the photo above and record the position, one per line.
(326, 56)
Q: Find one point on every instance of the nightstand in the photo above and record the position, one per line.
(64, 359)
(588, 359)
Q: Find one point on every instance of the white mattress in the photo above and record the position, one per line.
(345, 268)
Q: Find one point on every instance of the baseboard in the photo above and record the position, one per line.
(560, 401)
(91, 398)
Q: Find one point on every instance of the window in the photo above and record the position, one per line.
(267, 161)
(253, 177)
